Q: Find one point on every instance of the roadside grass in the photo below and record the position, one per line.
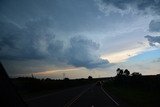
(30, 94)
(134, 96)
(32, 87)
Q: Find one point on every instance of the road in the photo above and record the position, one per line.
(95, 97)
(58, 99)
(84, 96)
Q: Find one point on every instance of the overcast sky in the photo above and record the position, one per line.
(78, 38)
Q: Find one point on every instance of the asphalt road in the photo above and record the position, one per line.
(84, 96)
(58, 99)
(95, 97)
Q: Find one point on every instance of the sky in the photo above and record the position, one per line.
(78, 38)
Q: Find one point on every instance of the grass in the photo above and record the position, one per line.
(31, 87)
(134, 95)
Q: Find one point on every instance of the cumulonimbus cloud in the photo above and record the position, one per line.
(30, 42)
(34, 41)
(83, 53)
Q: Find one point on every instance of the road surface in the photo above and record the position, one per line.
(84, 96)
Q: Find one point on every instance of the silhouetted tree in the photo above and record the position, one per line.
(66, 79)
(90, 77)
(126, 72)
(118, 69)
(48, 79)
(136, 74)
(119, 72)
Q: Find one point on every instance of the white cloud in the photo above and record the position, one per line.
(122, 56)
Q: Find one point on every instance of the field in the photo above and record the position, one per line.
(29, 87)
(136, 91)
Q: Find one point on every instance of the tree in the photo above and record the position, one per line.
(118, 69)
(126, 72)
(90, 77)
(136, 74)
(119, 72)
(47, 79)
(66, 79)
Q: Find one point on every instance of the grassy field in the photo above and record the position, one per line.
(29, 87)
(145, 92)
(141, 91)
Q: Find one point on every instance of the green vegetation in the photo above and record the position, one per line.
(29, 87)
(137, 91)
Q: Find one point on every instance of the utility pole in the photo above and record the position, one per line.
(64, 75)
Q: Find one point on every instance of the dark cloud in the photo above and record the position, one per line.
(153, 40)
(33, 41)
(36, 41)
(83, 53)
(140, 5)
(154, 26)
(68, 15)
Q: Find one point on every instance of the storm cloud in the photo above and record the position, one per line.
(36, 41)
(154, 26)
(39, 35)
(83, 53)
(142, 6)
(153, 40)
(137, 6)
(33, 41)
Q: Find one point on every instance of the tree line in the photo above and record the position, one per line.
(126, 72)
